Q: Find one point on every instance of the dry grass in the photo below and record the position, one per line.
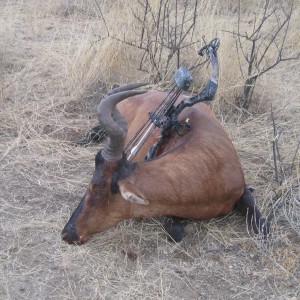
(54, 66)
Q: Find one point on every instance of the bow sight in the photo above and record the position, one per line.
(166, 114)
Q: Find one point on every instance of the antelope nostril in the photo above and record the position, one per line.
(64, 235)
(69, 234)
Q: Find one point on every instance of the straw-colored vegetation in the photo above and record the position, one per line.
(56, 62)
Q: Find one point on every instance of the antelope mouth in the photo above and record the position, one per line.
(80, 241)
(70, 236)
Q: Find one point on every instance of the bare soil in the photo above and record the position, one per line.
(46, 105)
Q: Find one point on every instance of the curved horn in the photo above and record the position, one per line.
(128, 87)
(114, 124)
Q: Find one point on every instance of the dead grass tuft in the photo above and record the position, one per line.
(55, 63)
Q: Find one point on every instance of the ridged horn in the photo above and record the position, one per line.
(113, 123)
(128, 87)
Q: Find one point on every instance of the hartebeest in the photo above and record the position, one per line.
(195, 176)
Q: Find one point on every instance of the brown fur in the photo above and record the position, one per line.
(198, 175)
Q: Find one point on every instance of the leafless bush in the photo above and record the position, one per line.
(282, 170)
(163, 31)
(291, 209)
(287, 194)
(256, 47)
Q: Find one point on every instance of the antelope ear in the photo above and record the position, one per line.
(131, 193)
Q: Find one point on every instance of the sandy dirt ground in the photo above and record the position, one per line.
(43, 175)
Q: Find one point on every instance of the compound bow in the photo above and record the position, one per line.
(166, 114)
